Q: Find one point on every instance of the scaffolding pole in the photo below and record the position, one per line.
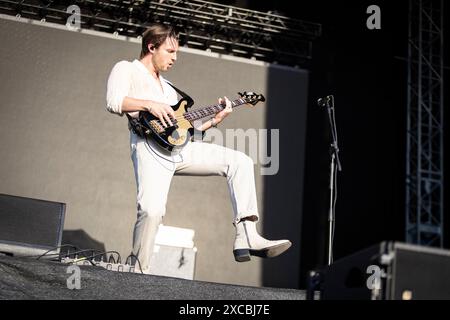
(425, 120)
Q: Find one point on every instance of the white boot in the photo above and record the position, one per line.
(248, 242)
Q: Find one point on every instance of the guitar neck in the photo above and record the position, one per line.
(210, 110)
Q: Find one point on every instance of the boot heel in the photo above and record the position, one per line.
(241, 255)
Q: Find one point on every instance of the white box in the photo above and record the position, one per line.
(174, 253)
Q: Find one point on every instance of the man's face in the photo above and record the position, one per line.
(165, 55)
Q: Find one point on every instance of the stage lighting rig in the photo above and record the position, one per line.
(203, 25)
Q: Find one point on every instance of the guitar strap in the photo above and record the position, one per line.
(181, 93)
(135, 125)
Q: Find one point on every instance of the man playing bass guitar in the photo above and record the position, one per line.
(138, 87)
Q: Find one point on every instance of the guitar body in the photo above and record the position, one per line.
(174, 137)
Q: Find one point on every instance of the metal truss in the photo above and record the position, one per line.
(425, 145)
(203, 25)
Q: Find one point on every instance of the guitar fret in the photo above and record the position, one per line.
(210, 110)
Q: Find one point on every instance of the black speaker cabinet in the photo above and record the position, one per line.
(30, 226)
(388, 271)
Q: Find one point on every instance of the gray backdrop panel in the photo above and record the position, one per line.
(59, 143)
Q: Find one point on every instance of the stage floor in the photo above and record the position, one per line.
(26, 278)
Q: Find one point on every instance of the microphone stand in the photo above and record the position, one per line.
(335, 164)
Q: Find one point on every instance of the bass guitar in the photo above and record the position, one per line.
(175, 137)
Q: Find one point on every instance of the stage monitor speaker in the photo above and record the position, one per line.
(30, 226)
(388, 271)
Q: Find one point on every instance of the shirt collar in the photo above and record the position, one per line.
(140, 66)
(143, 68)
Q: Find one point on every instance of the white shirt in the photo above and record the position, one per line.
(132, 79)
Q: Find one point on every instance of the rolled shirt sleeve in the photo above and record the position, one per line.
(118, 87)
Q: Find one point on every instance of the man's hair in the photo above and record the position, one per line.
(156, 34)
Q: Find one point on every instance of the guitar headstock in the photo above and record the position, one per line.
(251, 97)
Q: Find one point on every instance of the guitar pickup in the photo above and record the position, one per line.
(156, 126)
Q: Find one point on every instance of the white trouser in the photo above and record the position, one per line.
(154, 172)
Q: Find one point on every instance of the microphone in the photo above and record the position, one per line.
(322, 102)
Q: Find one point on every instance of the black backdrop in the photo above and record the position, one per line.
(366, 71)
